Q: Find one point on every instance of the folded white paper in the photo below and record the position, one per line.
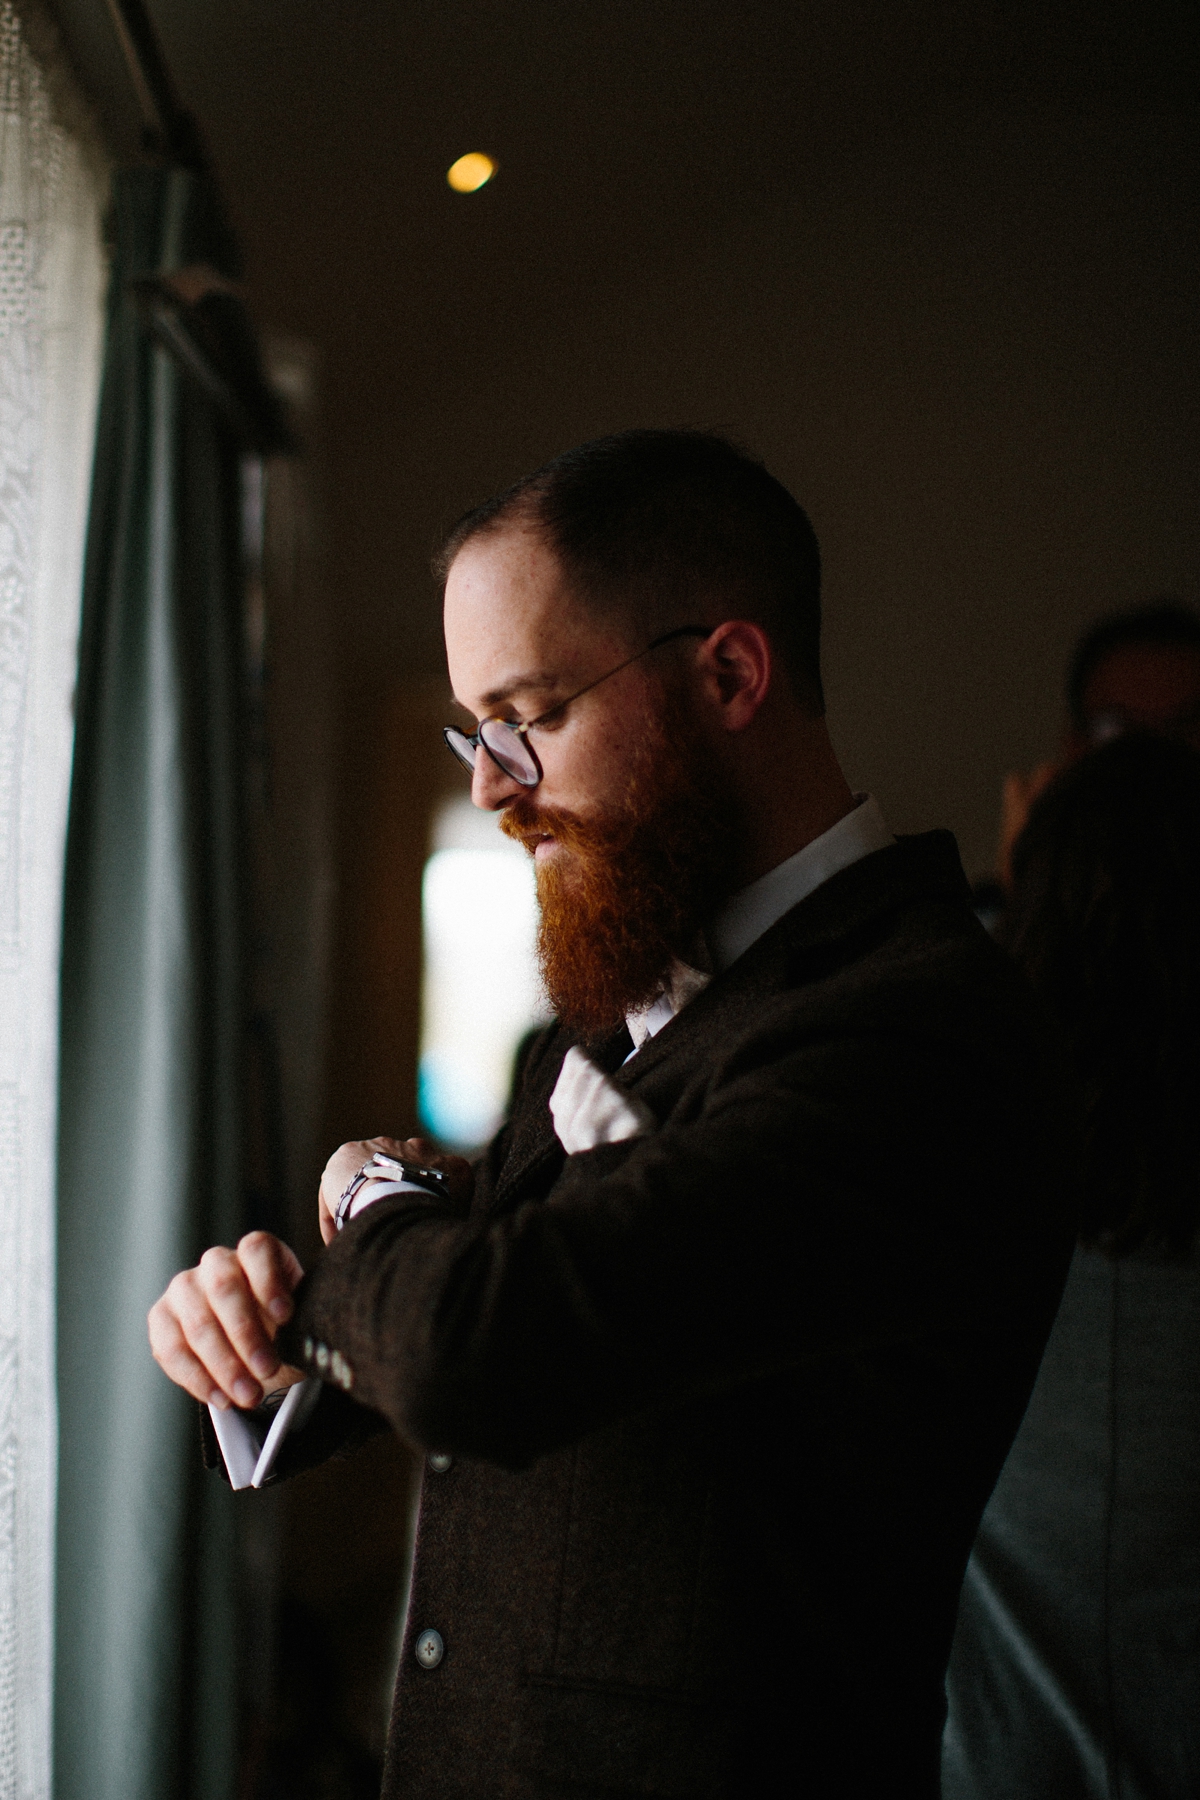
(251, 1441)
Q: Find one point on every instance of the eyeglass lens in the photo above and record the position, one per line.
(507, 746)
(510, 751)
(461, 745)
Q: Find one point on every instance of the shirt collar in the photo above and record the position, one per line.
(743, 920)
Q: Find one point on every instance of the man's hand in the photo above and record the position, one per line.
(213, 1330)
(345, 1163)
(1016, 802)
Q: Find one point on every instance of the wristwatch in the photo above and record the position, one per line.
(397, 1175)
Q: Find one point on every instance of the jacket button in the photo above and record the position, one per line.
(429, 1649)
(439, 1461)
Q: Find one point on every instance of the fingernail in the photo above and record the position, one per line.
(280, 1309)
(245, 1393)
(264, 1364)
(219, 1400)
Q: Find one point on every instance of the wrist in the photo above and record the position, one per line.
(383, 1175)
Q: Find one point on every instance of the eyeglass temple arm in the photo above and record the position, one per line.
(667, 638)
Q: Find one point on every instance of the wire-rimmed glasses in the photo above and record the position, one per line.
(507, 744)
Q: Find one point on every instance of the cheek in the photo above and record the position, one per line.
(587, 765)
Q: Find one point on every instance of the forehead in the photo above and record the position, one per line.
(513, 627)
(1144, 677)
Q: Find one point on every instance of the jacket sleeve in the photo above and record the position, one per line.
(776, 1216)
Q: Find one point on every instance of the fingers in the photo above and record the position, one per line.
(192, 1346)
(398, 1147)
(413, 1149)
(1017, 796)
(236, 1312)
(457, 1169)
(419, 1149)
(211, 1332)
(174, 1358)
(423, 1150)
(272, 1270)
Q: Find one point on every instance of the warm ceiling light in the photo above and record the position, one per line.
(470, 172)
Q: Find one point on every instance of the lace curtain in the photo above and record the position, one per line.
(51, 297)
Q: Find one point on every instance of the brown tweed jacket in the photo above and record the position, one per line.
(714, 1413)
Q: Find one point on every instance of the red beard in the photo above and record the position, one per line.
(627, 891)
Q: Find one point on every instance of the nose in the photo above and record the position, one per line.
(491, 788)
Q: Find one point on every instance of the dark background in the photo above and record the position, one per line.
(935, 263)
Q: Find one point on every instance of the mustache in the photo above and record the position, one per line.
(526, 822)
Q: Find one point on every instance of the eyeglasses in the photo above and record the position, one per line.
(507, 744)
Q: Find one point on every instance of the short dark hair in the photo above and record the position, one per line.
(674, 523)
(1102, 918)
(1167, 622)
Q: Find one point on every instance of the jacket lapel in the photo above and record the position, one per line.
(533, 1144)
(819, 934)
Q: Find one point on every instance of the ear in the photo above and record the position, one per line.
(736, 665)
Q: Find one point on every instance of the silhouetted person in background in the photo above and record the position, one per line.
(1076, 1666)
(1137, 670)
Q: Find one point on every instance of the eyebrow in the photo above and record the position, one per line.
(530, 683)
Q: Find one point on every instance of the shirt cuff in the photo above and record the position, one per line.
(380, 1190)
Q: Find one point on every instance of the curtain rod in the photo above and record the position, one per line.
(208, 333)
(172, 128)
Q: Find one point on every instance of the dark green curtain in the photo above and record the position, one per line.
(151, 1044)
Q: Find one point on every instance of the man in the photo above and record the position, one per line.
(717, 1352)
(1137, 670)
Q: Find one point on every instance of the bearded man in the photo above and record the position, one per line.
(717, 1351)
